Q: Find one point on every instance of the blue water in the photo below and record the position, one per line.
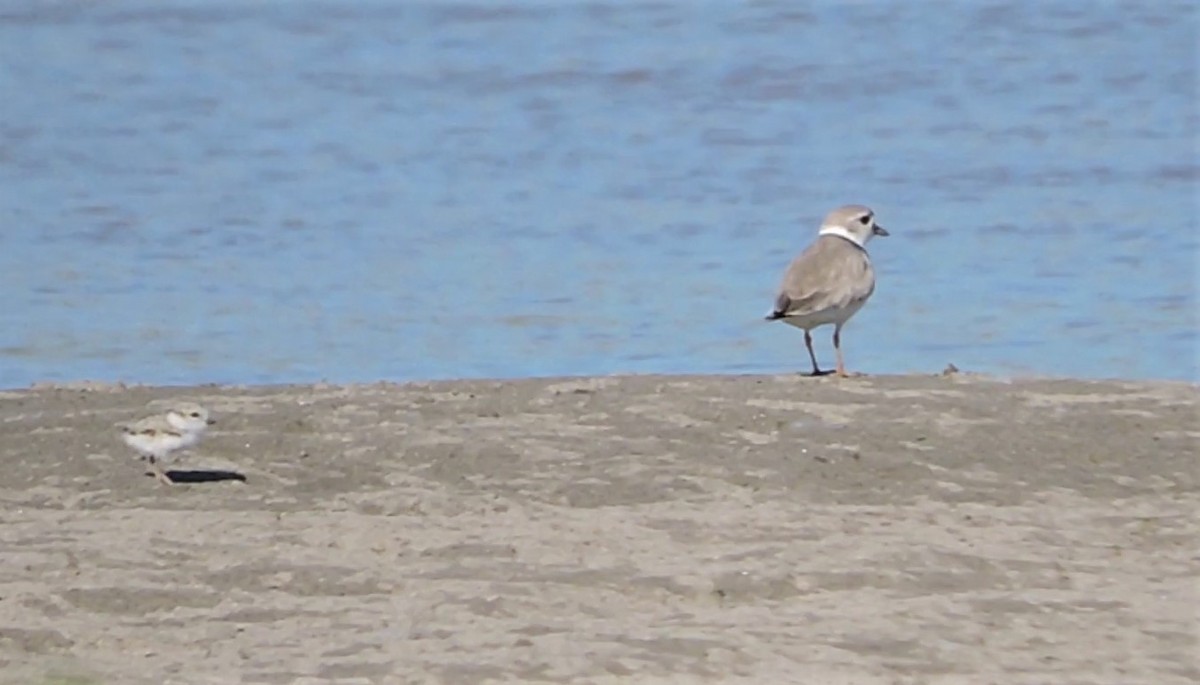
(292, 191)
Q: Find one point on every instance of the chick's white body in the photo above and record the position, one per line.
(156, 437)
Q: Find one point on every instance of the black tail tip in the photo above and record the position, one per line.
(774, 316)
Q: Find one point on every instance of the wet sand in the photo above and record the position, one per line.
(640, 529)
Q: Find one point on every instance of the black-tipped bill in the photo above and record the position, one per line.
(879, 230)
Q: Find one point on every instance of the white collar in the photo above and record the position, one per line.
(841, 232)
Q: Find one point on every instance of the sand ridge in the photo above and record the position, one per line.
(629, 529)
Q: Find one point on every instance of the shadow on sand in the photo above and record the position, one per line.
(204, 476)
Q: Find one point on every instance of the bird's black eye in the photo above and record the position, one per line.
(864, 219)
(195, 415)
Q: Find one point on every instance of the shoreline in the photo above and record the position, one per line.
(950, 371)
(741, 528)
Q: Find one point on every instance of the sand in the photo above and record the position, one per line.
(755, 529)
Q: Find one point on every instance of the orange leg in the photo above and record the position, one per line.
(837, 345)
(160, 475)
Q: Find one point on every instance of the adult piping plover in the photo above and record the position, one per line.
(156, 437)
(831, 280)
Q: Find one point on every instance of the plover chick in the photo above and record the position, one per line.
(156, 437)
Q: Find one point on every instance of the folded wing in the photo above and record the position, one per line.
(827, 276)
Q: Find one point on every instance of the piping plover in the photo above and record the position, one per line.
(831, 280)
(156, 437)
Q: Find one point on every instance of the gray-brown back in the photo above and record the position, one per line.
(832, 275)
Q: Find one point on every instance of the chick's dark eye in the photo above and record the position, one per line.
(864, 219)
(195, 414)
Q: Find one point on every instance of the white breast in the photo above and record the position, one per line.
(825, 317)
(158, 445)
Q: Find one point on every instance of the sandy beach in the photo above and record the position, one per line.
(756, 529)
